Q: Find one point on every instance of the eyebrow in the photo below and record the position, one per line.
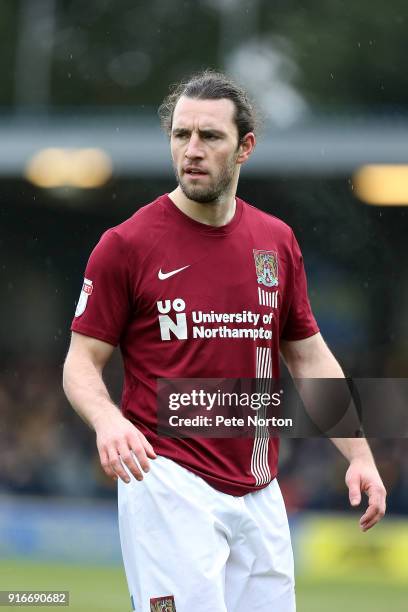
(204, 132)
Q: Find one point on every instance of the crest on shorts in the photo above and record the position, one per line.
(87, 289)
(162, 604)
(266, 265)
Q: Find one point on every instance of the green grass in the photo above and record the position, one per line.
(92, 589)
(103, 589)
(343, 596)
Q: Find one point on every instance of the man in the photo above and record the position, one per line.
(205, 527)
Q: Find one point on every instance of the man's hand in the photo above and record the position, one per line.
(363, 476)
(311, 358)
(120, 442)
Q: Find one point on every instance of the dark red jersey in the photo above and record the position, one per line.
(188, 300)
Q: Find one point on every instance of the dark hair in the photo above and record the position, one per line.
(211, 85)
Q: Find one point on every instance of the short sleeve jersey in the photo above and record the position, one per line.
(154, 284)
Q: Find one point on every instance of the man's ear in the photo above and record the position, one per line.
(245, 148)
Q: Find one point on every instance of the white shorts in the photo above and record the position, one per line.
(191, 548)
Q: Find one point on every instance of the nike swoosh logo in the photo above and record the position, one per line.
(164, 275)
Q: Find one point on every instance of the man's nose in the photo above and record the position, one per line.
(194, 148)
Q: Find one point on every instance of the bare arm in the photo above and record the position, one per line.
(311, 358)
(118, 440)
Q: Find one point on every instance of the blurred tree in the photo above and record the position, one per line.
(349, 53)
(8, 37)
(103, 54)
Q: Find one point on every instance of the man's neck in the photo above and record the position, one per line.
(211, 213)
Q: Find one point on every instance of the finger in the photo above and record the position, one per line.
(376, 502)
(117, 466)
(128, 458)
(106, 466)
(149, 450)
(354, 493)
(372, 516)
(147, 446)
(367, 525)
(140, 455)
(369, 515)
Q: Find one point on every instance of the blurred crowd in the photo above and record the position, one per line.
(45, 449)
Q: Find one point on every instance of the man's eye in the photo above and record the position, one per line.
(210, 136)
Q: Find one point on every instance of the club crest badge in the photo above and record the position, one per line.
(266, 265)
(162, 604)
(87, 289)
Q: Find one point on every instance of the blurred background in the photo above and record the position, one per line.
(81, 149)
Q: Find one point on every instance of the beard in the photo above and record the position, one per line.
(210, 193)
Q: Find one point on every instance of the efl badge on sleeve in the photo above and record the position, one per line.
(266, 264)
(87, 289)
(162, 604)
